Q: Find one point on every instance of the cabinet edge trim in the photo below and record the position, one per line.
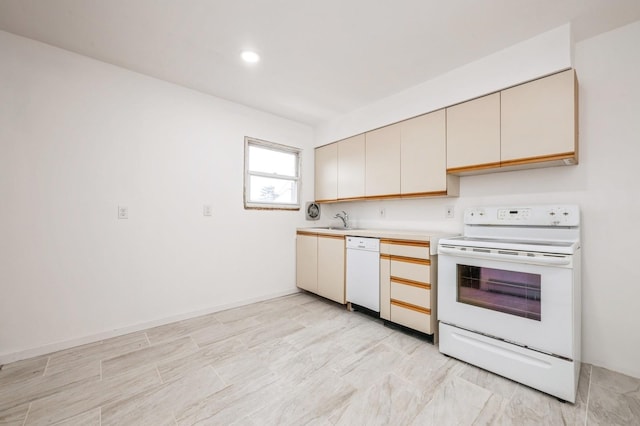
(424, 194)
(425, 244)
(543, 158)
(311, 234)
(411, 307)
(335, 237)
(411, 283)
(406, 259)
(477, 167)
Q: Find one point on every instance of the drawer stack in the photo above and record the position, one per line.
(407, 291)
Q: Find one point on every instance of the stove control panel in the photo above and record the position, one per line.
(545, 215)
(514, 214)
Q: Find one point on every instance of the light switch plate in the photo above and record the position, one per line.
(123, 212)
(207, 210)
(450, 212)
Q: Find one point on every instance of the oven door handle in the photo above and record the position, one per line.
(537, 260)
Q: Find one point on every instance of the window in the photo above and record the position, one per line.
(272, 175)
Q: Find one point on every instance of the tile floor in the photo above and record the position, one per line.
(289, 361)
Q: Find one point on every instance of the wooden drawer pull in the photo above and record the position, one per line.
(410, 306)
(412, 283)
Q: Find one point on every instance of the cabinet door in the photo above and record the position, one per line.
(539, 120)
(331, 255)
(326, 172)
(424, 154)
(307, 262)
(382, 165)
(473, 135)
(351, 157)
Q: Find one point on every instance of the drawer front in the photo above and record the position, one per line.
(413, 271)
(416, 250)
(385, 247)
(411, 318)
(418, 296)
(385, 296)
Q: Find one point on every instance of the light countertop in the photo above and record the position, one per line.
(395, 234)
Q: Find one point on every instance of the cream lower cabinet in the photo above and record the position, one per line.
(307, 261)
(331, 267)
(320, 265)
(407, 285)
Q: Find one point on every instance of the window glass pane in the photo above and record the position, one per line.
(269, 190)
(269, 161)
(515, 293)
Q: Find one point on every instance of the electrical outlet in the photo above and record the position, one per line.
(382, 212)
(207, 210)
(450, 212)
(123, 212)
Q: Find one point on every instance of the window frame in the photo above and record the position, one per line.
(252, 205)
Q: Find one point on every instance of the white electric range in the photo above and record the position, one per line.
(509, 296)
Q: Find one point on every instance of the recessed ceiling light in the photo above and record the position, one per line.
(251, 57)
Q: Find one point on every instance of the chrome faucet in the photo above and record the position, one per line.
(344, 217)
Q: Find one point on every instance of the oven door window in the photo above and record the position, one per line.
(511, 292)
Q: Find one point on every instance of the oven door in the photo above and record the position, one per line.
(529, 303)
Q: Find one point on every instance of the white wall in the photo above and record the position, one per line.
(542, 55)
(77, 138)
(604, 184)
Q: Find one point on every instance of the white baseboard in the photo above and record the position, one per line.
(54, 347)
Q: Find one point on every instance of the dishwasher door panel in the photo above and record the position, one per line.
(363, 278)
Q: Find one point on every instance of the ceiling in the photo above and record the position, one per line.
(320, 59)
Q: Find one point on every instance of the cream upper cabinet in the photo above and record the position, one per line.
(331, 267)
(382, 165)
(423, 155)
(351, 167)
(539, 120)
(326, 172)
(473, 134)
(307, 262)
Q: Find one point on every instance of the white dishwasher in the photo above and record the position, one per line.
(363, 272)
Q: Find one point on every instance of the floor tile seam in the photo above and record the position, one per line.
(44, 372)
(24, 422)
(166, 357)
(159, 375)
(499, 413)
(224, 382)
(586, 414)
(257, 408)
(194, 341)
